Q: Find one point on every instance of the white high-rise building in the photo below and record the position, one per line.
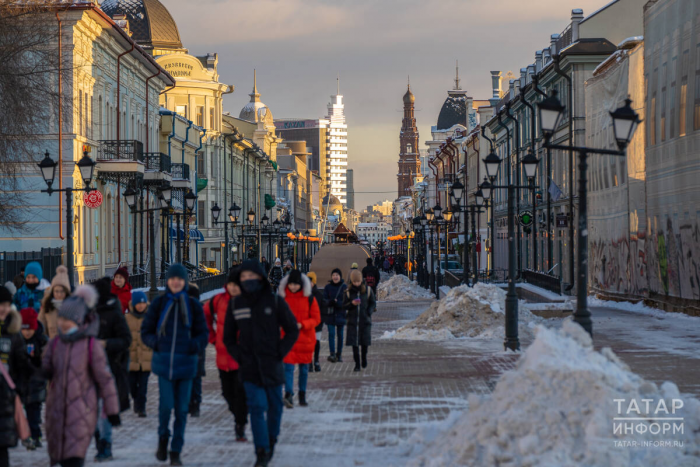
(337, 145)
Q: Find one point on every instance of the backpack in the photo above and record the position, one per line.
(370, 280)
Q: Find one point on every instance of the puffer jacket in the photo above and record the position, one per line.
(333, 295)
(140, 354)
(13, 352)
(359, 328)
(305, 309)
(275, 275)
(78, 374)
(28, 298)
(35, 390)
(215, 312)
(123, 294)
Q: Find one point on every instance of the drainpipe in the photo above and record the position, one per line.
(148, 130)
(436, 172)
(119, 137)
(60, 126)
(518, 176)
(186, 239)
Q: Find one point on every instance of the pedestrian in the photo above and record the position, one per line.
(353, 267)
(360, 303)
(265, 265)
(53, 298)
(276, 273)
(9, 430)
(18, 280)
(288, 266)
(297, 290)
(216, 314)
(115, 337)
(10, 286)
(335, 317)
(140, 355)
(29, 295)
(196, 393)
(387, 265)
(318, 295)
(34, 394)
(76, 365)
(174, 327)
(371, 276)
(121, 287)
(259, 332)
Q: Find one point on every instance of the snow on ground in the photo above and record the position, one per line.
(557, 408)
(465, 311)
(638, 307)
(401, 288)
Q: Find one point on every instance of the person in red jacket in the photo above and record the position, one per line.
(121, 288)
(231, 386)
(296, 289)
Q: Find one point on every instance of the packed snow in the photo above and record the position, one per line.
(638, 307)
(557, 407)
(401, 288)
(477, 311)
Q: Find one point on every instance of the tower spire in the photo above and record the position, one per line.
(409, 82)
(457, 75)
(255, 95)
(338, 84)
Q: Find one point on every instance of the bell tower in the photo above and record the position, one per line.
(409, 160)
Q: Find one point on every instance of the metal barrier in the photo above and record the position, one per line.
(180, 171)
(452, 280)
(209, 283)
(12, 262)
(544, 280)
(139, 281)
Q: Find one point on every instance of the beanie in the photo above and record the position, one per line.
(33, 268)
(278, 262)
(29, 320)
(338, 271)
(295, 277)
(177, 270)
(5, 295)
(61, 278)
(312, 276)
(252, 266)
(138, 297)
(122, 272)
(233, 276)
(73, 309)
(354, 266)
(355, 275)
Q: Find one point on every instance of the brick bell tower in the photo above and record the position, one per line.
(409, 160)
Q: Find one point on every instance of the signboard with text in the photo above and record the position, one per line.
(92, 199)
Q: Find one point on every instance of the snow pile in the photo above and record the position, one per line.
(557, 407)
(400, 288)
(638, 307)
(465, 311)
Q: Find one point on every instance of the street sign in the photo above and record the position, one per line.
(525, 218)
(562, 221)
(92, 199)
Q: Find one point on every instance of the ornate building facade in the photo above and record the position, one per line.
(409, 160)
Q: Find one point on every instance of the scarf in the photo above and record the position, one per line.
(181, 302)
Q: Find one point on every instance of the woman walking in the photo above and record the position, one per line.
(360, 303)
(335, 319)
(53, 297)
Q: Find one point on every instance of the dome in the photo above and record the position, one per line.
(409, 98)
(255, 111)
(454, 111)
(150, 23)
(330, 207)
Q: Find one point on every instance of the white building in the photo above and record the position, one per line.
(337, 146)
(373, 231)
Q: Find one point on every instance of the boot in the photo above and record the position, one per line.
(194, 409)
(162, 452)
(262, 457)
(364, 361)
(175, 458)
(288, 400)
(357, 367)
(317, 367)
(104, 451)
(240, 433)
(302, 399)
(331, 358)
(339, 358)
(273, 441)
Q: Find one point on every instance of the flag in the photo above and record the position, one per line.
(554, 191)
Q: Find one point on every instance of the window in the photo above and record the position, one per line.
(182, 110)
(200, 116)
(201, 165)
(696, 110)
(672, 100)
(201, 214)
(662, 130)
(80, 112)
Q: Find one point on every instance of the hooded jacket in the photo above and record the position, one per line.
(215, 313)
(306, 311)
(123, 294)
(139, 354)
(359, 328)
(333, 295)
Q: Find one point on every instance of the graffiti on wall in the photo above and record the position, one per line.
(674, 260)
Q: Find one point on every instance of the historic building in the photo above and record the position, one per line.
(409, 161)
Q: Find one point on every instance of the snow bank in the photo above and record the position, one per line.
(557, 408)
(401, 288)
(465, 311)
(638, 307)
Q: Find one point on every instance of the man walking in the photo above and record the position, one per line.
(371, 276)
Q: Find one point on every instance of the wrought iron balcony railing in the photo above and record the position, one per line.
(125, 150)
(180, 171)
(157, 161)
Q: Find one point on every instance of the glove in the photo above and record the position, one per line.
(114, 420)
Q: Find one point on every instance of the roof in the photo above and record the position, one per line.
(590, 47)
(151, 24)
(454, 111)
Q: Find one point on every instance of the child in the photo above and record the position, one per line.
(35, 393)
(29, 294)
(360, 303)
(140, 362)
(76, 365)
(121, 287)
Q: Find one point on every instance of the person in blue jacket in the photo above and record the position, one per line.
(175, 328)
(29, 295)
(335, 318)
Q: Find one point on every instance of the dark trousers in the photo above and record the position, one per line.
(4, 457)
(265, 406)
(72, 462)
(196, 398)
(34, 418)
(317, 350)
(234, 393)
(138, 383)
(174, 396)
(356, 353)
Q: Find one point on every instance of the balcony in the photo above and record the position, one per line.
(181, 176)
(117, 160)
(158, 167)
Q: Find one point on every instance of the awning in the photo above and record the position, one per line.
(173, 233)
(196, 235)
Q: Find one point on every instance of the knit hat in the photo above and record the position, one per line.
(177, 270)
(9, 285)
(61, 278)
(88, 293)
(288, 263)
(29, 320)
(354, 266)
(295, 277)
(233, 276)
(33, 268)
(138, 297)
(122, 272)
(252, 266)
(355, 275)
(5, 295)
(337, 270)
(312, 276)
(73, 309)
(278, 262)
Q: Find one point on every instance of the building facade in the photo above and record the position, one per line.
(350, 175)
(337, 149)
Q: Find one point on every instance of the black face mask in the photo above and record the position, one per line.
(31, 286)
(251, 286)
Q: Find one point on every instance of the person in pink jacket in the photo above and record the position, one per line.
(76, 366)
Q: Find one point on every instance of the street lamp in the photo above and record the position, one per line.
(234, 212)
(216, 212)
(48, 172)
(551, 112)
(492, 163)
(190, 199)
(625, 121)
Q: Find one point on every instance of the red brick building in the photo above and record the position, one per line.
(409, 161)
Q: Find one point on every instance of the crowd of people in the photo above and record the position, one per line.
(88, 353)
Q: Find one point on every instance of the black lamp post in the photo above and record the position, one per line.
(625, 121)
(86, 166)
(190, 199)
(164, 199)
(250, 216)
(234, 212)
(307, 252)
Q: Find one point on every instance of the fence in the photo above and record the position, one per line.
(138, 281)
(12, 262)
(209, 283)
(544, 280)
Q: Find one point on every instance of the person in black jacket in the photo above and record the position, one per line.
(34, 394)
(371, 276)
(275, 274)
(318, 295)
(115, 337)
(335, 314)
(360, 302)
(196, 398)
(259, 331)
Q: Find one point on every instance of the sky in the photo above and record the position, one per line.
(300, 46)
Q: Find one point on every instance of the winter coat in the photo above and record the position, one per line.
(78, 374)
(174, 327)
(333, 296)
(13, 352)
(123, 294)
(139, 354)
(359, 328)
(305, 309)
(8, 430)
(117, 336)
(371, 276)
(253, 338)
(275, 276)
(35, 390)
(387, 265)
(322, 308)
(27, 298)
(215, 312)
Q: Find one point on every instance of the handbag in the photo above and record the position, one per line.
(21, 423)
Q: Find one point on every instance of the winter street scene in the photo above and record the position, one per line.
(303, 233)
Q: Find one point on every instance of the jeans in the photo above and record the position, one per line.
(34, 418)
(174, 395)
(331, 338)
(289, 377)
(103, 425)
(261, 401)
(138, 382)
(234, 393)
(196, 398)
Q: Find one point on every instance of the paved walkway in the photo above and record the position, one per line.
(337, 255)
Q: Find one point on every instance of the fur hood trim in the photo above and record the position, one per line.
(15, 321)
(307, 287)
